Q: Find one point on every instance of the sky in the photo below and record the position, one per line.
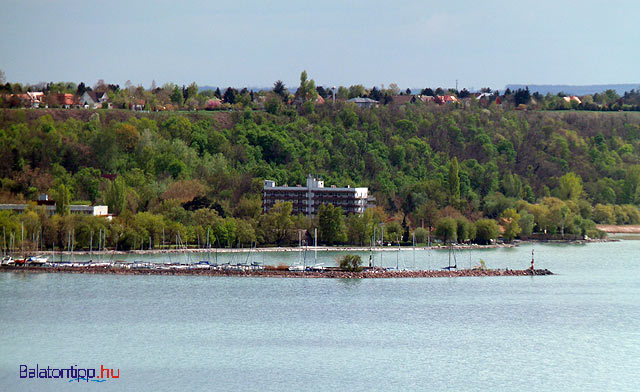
(253, 43)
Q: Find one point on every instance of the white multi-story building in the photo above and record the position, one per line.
(307, 200)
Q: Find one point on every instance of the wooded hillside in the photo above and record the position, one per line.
(422, 162)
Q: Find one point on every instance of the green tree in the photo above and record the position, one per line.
(428, 214)
(511, 223)
(272, 104)
(465, 230)
(486, 231)
(356, 227)
(116, 196)
(63, 199)
(570, 186)
(277, 223)
(192, 90)
(331, 224)
(526, 223)
(420, 235)
(127, 136)
(393, 231)
(307, 90)
(176, 96)
(454, 182)
(245, 232)
(631, 186)
(446, 229)
(280, 89)
(604, 214)
(87, 184)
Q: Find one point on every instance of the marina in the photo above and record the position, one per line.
(299, 263)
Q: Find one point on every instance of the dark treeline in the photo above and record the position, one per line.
(469, 172)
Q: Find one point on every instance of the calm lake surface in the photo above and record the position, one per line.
(578, 330)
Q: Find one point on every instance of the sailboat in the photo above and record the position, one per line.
(254, 264)
(300, 265)
(455, 265)
(316, 266)
(204, 264)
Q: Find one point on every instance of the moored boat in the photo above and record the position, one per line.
(37, 260)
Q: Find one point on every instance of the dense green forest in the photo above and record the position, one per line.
(463, 171)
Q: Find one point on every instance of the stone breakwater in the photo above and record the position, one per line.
(277, 273)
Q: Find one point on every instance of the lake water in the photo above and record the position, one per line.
(578, 330)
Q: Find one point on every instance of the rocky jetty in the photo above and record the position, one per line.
(376, 273)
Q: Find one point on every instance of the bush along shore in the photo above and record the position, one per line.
(266, 272)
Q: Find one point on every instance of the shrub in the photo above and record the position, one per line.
(421, 235)
(351, 263)
(446, 229)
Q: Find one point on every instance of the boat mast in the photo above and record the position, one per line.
(208, 246)
(299, 246)
(398, 254)
(381, 242)
(414, 249)
(373, 244)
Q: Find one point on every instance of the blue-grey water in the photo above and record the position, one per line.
(578, 330)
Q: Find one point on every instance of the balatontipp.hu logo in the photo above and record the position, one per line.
(72, 373)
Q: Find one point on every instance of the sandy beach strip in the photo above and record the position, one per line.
(630, 229)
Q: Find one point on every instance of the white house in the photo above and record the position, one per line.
(93, 100)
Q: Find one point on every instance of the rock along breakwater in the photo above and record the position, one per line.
(376, 273)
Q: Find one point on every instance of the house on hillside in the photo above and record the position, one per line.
(572, 98)
(442, 99)
(364, 102)
(426, 98)
(35, 98)
(138, 105)
(399, 100)
(93, 100)
(67, 100)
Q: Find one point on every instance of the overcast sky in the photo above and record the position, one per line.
(339, 42)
